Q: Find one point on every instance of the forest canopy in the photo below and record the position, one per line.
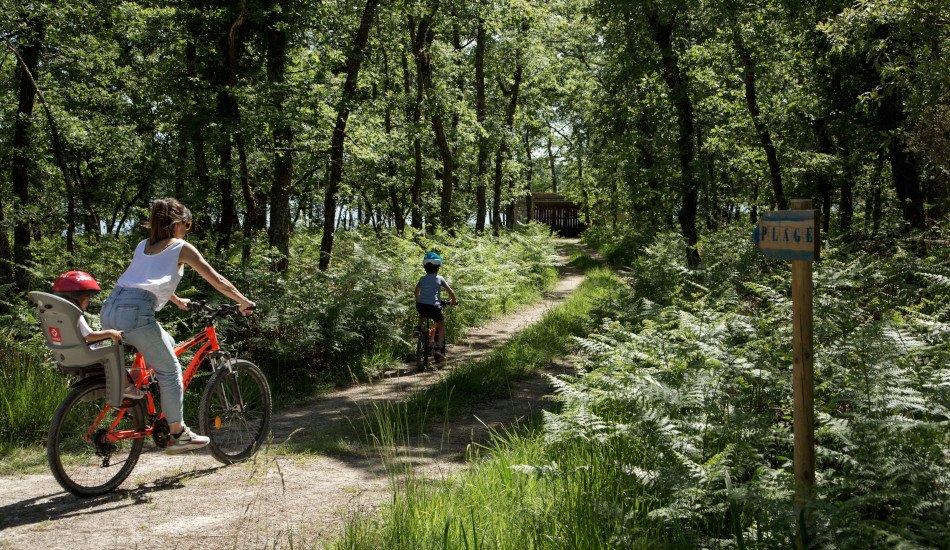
(269, 117)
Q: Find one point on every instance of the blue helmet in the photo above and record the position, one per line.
(432, 258)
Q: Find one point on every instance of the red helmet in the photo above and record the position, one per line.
(76, 282)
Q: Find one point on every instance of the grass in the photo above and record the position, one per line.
(494, 503)
(502, 502)
(473, 383)
(30, 391)
(311, 335)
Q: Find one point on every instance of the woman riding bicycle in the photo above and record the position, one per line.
(146, 286)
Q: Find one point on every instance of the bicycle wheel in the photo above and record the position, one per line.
(427, 354)
(83, 461)
(421, 350)
(235, 412)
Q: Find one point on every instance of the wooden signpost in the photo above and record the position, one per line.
(794, 235)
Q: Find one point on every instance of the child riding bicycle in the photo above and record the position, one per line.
(429, 301)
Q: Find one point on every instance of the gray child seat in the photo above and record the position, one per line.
(60, 320)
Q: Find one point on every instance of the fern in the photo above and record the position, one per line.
(695, 375)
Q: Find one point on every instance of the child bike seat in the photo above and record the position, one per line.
(60, 320)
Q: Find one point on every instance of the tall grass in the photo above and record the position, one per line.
(312, 328)
(521, 494)
(472, 383)
(456, 513)
(30, 391)
(677, 433)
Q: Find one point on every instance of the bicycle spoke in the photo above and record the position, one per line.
(83, 460)
(236, 412)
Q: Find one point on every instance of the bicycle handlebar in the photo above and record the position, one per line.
(211, 314)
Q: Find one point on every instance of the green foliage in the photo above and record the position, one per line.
(696, 374)
(30, 391)
(535, 347)
(482, 508)
(677, 430)
(311, 327)
(312, 321)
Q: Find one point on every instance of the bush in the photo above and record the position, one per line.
(677, 431)
(694, 374)
(311, 326)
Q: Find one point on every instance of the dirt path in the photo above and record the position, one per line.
(191, 501)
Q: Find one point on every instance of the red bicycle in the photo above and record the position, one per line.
(425, 343)
(92, 447)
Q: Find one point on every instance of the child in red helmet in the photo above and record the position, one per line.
(79, 287)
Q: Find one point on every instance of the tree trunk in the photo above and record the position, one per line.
(31, 41)
(907, 183)
(846, 203)
(282, 136)
(250, 204)
(752, 102)
(228, 219)
(24, 70)
(585, 207)
(413, 117)
(448, 172)
(503, 149)
(754, 210)
(230, 116)
(481, 174)
(6, 255)
(423, 36)
(496, 194)
(90, 218)
(875, 202)
(824, 183)
(395, 203)
(196, 135)
(553, 168)
(353, 62)
(679, 95)
(141, 193)
(529, 177)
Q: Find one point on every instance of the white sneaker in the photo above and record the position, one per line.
(131, 392)
(187, 440)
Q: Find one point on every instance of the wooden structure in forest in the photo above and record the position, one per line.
(557, 212)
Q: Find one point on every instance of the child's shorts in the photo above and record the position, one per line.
(430, 311)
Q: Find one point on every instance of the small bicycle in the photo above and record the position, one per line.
(425, 344)
(92, 447)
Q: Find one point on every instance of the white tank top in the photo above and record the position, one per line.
(156, 273)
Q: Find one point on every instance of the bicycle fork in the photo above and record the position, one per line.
(222, 360)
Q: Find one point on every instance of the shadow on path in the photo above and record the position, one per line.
(330, 415)
(61, 505)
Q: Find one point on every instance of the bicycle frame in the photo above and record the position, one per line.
(207, 342)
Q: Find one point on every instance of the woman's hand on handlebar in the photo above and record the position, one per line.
(183, 304)
(246, 307)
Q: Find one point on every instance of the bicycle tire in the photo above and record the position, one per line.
(235, 434)
(428, 353)
(420, 351)
(78, 465)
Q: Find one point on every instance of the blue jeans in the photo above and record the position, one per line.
(132, 310)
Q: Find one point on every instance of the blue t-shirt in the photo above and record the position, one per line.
(430, 289)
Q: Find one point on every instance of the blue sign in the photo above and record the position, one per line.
(789, 235)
